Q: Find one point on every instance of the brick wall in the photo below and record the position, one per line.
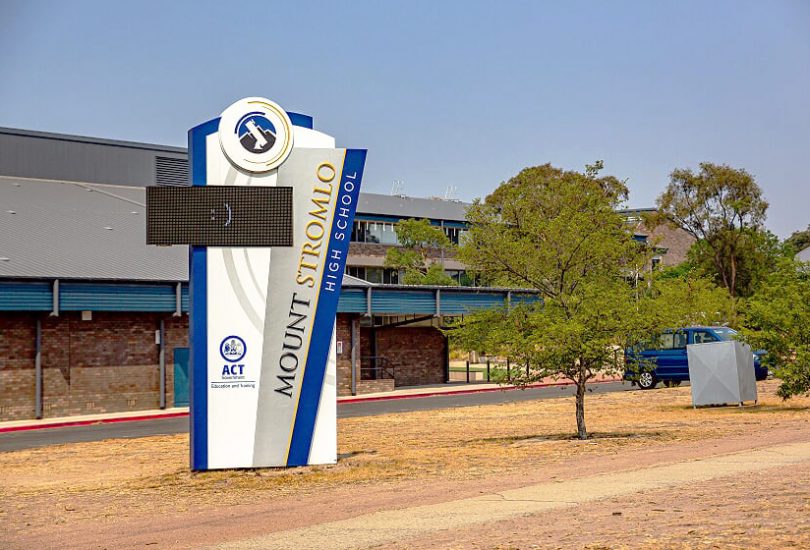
(373, 254)
(107, 364)
(374, 386)
(674, 239)
(377, 249)
(417, 354)
(343, 333)
(111, 364)
(17, 352)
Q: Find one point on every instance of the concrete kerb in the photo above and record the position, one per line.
(87, 420)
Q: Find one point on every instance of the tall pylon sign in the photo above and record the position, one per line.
(269, 218)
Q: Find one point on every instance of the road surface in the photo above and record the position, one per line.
(13, 441)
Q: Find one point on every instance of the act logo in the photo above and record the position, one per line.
(255, 134)
(232, 349)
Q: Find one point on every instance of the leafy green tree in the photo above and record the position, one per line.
(690, 299)
(680, 271)
(557, 232)
(420, 242)
(777, 319)
(723, 208)
(799, 240)
(758, 251)
(434, 276)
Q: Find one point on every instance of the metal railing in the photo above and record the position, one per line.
(506, 367)
(377, 367)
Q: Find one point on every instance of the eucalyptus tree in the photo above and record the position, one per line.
(723, 208)
(558, 233)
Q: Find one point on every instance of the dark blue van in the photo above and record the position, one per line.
(665, 361)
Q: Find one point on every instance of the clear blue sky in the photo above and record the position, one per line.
(441, 93)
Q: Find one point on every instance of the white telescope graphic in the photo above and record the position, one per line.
(257, 134)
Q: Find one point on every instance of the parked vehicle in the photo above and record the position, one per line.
(665, 360)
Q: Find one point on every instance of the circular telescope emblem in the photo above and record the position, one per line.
(219, 216)
(255, 135)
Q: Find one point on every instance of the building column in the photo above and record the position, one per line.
(38, 371)
(446, 359)
(355, 343)
(162, 362)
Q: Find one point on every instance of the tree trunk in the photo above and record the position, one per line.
(721, 267)
(582, 433)
(733, 288)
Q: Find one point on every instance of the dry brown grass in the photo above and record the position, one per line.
(149, 474)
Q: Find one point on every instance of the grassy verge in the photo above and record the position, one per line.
(147, 475)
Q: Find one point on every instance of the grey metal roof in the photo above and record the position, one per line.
(38, 155)
(83, 231)
(62, 230)
(62, 157)
(348, 280)
(94, 140)
(410, 207)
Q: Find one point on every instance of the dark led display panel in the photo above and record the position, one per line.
(219, 216)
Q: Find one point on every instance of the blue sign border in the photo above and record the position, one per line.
(323, 325)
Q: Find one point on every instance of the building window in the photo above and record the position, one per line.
(358, 232)
(356, 272)
(374, 232)
(457, 235)
(378, 275)
(374, 275)
(386, 233)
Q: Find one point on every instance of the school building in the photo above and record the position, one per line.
(94, 320)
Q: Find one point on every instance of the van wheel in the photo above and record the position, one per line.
(647, 381)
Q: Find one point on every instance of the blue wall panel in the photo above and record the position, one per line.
(459, 303)
(157, 297)
(403, 301)
(25, 296)
(352, 300)
(116, 297)
(525, 298)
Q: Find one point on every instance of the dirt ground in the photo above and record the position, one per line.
(768, 509)
(132, 493)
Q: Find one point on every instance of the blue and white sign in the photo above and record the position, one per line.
(263, 365)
